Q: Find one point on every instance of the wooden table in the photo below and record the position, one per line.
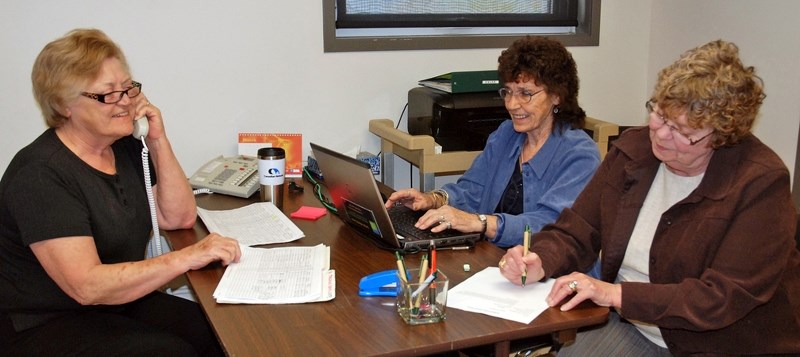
(351, 325)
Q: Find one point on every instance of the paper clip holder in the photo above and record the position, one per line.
(382, 283)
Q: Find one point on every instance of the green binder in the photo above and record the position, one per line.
(464, 82)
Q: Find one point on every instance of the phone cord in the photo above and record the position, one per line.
(155, 242)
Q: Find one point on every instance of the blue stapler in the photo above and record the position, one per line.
(382, 283)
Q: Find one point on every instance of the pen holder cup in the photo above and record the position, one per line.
(419, 301)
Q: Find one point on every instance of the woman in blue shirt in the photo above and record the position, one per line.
(533, 166)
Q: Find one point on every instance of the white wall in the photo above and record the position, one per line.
(217, 68)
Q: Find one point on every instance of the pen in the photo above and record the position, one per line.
(424, 285)
(432, 277)
(401, 267)
(526, 243)
(462, 247)
(423, 270)
(432, 248)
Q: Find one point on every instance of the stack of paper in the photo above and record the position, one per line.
(287, 275)
(488, 292)
(257, 223)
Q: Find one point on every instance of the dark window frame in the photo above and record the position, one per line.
(587, 33)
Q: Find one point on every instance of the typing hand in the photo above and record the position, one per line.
(410, 198)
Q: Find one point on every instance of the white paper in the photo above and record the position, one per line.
(489, 293)
(285, 275)
(257, 223)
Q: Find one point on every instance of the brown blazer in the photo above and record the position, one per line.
(724, 270)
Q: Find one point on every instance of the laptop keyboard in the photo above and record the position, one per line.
(404, 219)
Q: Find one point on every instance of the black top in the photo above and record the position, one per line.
(48, 192)
(513, 196)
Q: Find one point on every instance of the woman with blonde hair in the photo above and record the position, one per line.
(75, 219)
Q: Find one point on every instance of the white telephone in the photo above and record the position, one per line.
(235, 176)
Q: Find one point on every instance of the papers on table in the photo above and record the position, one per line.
(489, 293)
(286, 275)
(257, 223)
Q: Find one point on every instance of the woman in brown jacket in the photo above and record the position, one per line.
(695, 223)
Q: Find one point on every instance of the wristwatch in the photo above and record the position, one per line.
(482, 218)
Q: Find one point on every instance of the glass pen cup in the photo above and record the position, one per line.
(422, 300)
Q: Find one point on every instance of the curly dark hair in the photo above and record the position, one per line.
(712, 86)
(550, 65)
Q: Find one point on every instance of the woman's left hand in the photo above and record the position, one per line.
(584, 288)
(447, 217)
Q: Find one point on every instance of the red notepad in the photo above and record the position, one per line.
(310, 213)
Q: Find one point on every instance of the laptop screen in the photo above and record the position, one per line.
(355, 193)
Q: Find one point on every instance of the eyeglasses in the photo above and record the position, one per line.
(115, 96)
(522, 96)
(672, 128)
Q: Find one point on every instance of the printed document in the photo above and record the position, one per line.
(489, 293)
(286, 275)
(254, 224)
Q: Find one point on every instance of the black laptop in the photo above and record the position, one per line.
(355, 193)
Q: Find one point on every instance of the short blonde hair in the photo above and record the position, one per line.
(65, 66)
(714, 89)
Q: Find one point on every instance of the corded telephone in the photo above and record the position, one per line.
(235, 176)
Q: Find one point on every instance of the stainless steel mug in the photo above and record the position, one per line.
(271, 171)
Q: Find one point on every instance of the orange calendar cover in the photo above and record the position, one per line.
(249, 143)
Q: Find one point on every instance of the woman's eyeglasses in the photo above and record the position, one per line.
(522, 96)
(659, 120)
(115, 96)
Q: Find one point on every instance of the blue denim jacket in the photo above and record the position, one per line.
(551, 180)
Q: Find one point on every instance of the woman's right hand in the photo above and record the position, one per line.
(212, 248)
(410, 198)
(514, 262)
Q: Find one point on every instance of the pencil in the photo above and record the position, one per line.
(526, 243)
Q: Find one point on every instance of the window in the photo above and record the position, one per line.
(378, 25)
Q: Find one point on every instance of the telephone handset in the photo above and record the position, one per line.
(140, 129)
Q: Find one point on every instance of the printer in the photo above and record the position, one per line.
(456, 121)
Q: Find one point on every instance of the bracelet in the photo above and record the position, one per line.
(439, 193)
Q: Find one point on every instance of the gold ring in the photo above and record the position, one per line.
(502, 264)
(449, 226)
(573, 285)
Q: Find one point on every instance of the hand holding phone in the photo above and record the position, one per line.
(140, 128)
